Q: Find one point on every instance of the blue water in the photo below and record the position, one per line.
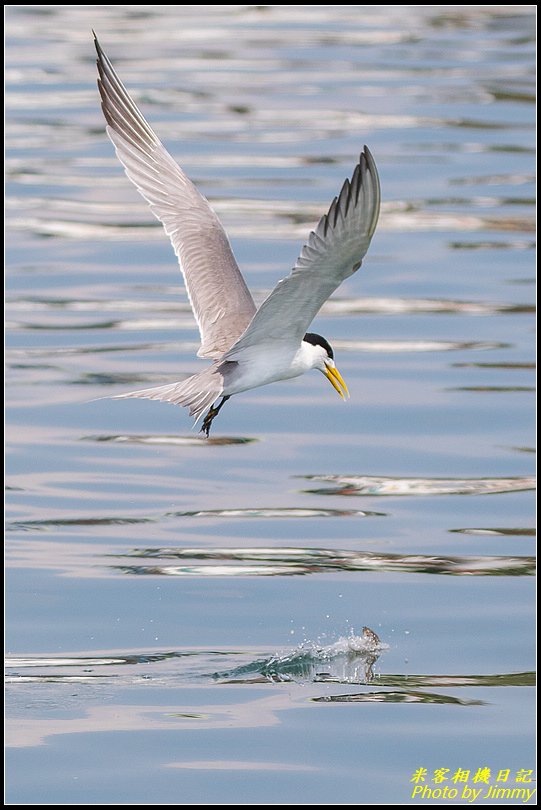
(185, 617)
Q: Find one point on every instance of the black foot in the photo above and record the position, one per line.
(214, 411)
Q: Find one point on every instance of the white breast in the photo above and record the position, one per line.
(267, 363)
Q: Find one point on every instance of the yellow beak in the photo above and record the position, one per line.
(336, 380)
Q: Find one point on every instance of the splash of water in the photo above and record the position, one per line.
(350, 659)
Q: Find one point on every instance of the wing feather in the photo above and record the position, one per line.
(221, 302)
(333, 252)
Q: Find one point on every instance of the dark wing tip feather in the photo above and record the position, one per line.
(361, 191)
(344, 198)
(97, 45)
(351, 190)
(119, 110)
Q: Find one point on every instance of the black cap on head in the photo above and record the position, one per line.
(317, 340)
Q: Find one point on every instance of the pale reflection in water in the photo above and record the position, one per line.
(386, 485)
(223, 562)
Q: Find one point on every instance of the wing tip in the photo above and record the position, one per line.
(362, 189)
(97, 45)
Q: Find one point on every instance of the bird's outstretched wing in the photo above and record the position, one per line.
(333, 252)
(220, 299)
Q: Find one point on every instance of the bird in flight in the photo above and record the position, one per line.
(248, 346)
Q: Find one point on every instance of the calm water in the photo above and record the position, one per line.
(185, 617)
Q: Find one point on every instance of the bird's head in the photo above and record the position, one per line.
(322, 358)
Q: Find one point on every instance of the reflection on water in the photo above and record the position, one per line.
(92, 561)
(277, 513)
(394, 346)
(398, 697)
(335, 306)
(386, 485)
(349, 660)
(191, 441)
(494, 388)
(259, 713)
(287, 561)
(503, 364)
(125, 523)
(265, 220)
(397, 306)
(282, 512)
(517, 531)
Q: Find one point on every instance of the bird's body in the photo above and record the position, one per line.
(249, 347)
(280, 363)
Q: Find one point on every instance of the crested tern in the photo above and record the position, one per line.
(249, 346)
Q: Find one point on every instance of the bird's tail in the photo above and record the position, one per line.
(197, 393)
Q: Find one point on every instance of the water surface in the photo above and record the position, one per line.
(185, 617)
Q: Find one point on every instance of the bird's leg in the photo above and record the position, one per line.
(214, 411)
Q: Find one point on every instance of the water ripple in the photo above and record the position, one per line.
(249, 218)
(281, 512)
(50, 523)
(494, 389)
(400, 306)
(45, 524)
(387, 485)
(365, 346)
(397, 697)
(249, 562)
(334, 306)
(518, 366)
(165, 439)
(349, 660)
(400, 346)
(498, 532)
